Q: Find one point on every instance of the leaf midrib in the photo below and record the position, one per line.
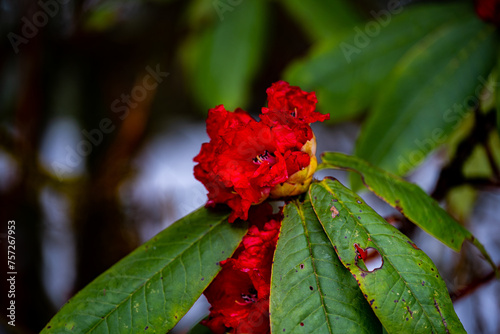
(308, 240)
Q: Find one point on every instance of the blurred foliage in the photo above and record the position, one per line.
(394, 70)
(350, 73)
(218, 73)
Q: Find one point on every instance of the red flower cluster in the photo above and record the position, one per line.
(239, 295)
(488, 10)
(247, 161)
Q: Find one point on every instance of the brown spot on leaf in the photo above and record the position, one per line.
(436, 305)
(409, 311)
(413, 245)
(334, 211)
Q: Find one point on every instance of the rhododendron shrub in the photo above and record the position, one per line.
(305, 268)
(274, 249)
(247, 161)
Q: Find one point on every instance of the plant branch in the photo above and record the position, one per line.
(473, 286)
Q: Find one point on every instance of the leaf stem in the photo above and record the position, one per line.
(473, 286)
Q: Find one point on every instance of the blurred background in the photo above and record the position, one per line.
(102, 108)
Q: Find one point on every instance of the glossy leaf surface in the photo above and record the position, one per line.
(430, 91)
(153, 287)
(406, 292)
(311, 291)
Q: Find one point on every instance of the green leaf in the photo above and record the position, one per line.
(460, 202)
(222, 60)
(429, 93)
(348, 76)
(322, 19)
(311, 292)
(154, 286)
(406, 292)
(409, 199)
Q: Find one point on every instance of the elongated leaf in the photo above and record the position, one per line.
(348, 75)
(409, 199)
(406, 292)
(323, 18)
(497, 96)
(153, 287)
(222, 60)
(429, 93)
(311, 292)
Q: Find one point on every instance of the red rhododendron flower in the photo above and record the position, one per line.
(239, 295)
(283, 97)
(488, 10)
(247, 161)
